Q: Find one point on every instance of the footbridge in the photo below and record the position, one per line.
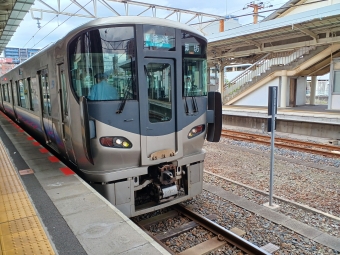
(283, 52)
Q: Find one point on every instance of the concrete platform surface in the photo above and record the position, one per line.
(77, 219)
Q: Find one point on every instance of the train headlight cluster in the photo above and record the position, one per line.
(115, 142)
(195, 131)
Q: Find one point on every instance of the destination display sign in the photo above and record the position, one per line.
(159, 41)
(192, 48)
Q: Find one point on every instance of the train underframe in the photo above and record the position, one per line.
(160, 186)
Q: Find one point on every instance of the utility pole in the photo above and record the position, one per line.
(256, 5)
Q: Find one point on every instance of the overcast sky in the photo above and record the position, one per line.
(53, 28)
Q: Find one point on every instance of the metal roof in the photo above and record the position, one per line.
(287, 7)
(12, 13)
(316, 27)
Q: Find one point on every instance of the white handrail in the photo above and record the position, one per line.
(253, 73)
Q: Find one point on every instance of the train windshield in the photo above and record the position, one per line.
(194, 65)
(102, 64)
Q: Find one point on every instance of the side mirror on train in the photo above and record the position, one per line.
(214, 116)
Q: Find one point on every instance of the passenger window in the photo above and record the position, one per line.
(29, 87)
(6, 92)
(24, 95)
(64, 91)
(17, 90)
(10, 92)
(34, 94)
(15, 93)
(45, 90)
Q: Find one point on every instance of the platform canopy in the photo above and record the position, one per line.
(249, 43)
(12, 13)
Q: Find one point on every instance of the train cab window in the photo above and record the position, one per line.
(102, 64)
(24, 95)
(159, 92)
(194, 65)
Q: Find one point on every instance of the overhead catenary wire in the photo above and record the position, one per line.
(250, 14)
(61, 24)
(263, 27)
(46, 25)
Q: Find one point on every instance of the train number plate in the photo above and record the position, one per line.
(162, 154)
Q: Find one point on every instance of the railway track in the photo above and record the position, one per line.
(193, 234)
(314, 148)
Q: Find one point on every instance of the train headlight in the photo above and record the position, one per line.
(195, 131)
(115, 142)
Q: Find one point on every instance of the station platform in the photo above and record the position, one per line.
(306, 113)
(309, 120)
(45, 208)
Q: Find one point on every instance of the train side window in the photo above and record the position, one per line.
(45, 90)
(34, 94)
(29, 87)
(24, 99)
(14, 92)
(10, 92)
(17, 88)
(6, 92)
(64, 91)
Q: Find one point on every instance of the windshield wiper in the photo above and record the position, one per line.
(194, 104)
(126, 92)
(186, 105)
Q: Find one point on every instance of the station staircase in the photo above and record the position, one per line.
(271, 66)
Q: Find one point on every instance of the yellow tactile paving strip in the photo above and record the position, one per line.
(20, 229)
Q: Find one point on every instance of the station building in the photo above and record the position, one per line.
(19, 55)
(289, 49)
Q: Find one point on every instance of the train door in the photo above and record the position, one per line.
(45, 101)
(157, 110)
(64, 120)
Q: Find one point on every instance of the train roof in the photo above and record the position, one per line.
(133, 20)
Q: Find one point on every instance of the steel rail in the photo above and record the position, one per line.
(323, 149)
(221, 233)
(228, 236)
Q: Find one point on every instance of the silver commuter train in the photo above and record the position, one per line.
(125, 100)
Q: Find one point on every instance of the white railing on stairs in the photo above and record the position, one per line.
(253, 73)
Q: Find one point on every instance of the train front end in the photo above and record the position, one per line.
(142, 132)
